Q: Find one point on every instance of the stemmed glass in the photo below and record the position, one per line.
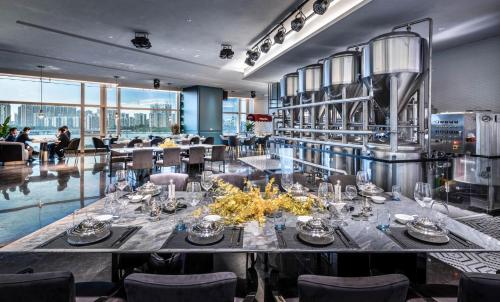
(207, 181)
(362, 179)
(194, 193)
(423, 196)
(109, 205)
(351, 192)
(325, 192)
(287, 181)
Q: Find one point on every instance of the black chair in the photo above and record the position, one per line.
(215, 287)
(224, 140)
(345, 180)
(479, 287)
(209, 140)
(52, 287)
(233, 143)
(249, 143)
(195, 140)
(156, 141)
(217, 155)
(72, 149)
(99, 146)
(132, 143)
(384, 288)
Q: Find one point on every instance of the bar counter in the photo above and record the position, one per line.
(153, 234)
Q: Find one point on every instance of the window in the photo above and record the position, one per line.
(234, 115)
(92, 94)
(148, 99)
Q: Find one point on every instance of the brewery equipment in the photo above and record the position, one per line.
(472, 138)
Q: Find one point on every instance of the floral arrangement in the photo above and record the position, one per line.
(239, 207)
(167, 143)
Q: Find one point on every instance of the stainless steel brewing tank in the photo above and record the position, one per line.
(310, 153)
(289, 85)
(397, 54)
(337, 157)
(310, 78)
(385, 174)
(342, 71)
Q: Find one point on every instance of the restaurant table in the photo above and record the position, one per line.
(262, 163)
(153, 234)
(44, 150)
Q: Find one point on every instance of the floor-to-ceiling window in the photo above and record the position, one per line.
(101, 109)
(234, 115)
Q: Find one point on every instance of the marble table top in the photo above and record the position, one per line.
(261, 162)
(129, 150)
(153, 234)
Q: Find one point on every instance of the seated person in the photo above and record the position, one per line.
(66, 130)
(61, 143)
(11, 137)
(24, 138)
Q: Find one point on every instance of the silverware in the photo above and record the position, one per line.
(279, 235)
(340, 235)
(123, 236)
(460, 239)
(401, 244)
(239, 237)
(232, 235)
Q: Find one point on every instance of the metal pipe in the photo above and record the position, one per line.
(304, 162)
(344, 114)
(393, 118)
(354, 132)
(319, 142)
(330, 102)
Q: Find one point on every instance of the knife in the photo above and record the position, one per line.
(239, 237)
(123, 236)
(460, 239)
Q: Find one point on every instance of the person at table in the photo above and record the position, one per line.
(66, 130)
(61, 143)
(11, 137)
(24, 137)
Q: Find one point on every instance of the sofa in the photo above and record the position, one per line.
(12, 153)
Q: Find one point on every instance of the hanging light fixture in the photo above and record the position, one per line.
(280, 35)
(320, 6)
(298, 22)
(266, 45)
(41, 114)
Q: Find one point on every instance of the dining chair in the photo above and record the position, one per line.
(237, 180)
(142, 160)
(345, 180)
(209, 140)
(383, 288)
(72, 149)
(234, 144)
(99, 146)
(134, 141)
(217, 155)
(249, 143)
(301, 178)
(196, 157)
(224, 140)
(195, 140)
(179, 179)
(53, 287)
(479, 287)
(214, 287)
(171, 158)
(156, 141)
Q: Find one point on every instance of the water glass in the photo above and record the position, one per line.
(155, 210)
(351, 192)
(362, 179)
(325, 192)
(287, 181)
(423, 194)
(442, 212)
(206, 180)
(194, 193)
(396, 192)
(383, 219)
(279, 221)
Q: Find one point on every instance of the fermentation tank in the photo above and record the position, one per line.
(289, 96)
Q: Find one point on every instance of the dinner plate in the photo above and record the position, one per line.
(378, 199)
(304, 218)
(404, 218)
(105, 218)
(136, 198)
(212, 218)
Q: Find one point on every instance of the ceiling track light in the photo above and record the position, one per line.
(141, 40)
(226, 52)
(249, 62)
(320, 6)
(279, 38)
(266, 45)
(298, 23)
(253, 54)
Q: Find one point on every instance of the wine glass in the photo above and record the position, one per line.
(423, 196)
(351, 192)
(325, 192)
(194, 193)
(287, 181)
(206, 180)
(362, 179)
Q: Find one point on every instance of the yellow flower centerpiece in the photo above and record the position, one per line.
(239, 207)
(168, 143)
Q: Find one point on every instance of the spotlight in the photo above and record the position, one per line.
(320, 6)
(280, 35)
(298, 22)
(266, 45)
(253, 55)
(249, 62)
(156, 83)
(141, 40)
(252, 94)
(226, 52)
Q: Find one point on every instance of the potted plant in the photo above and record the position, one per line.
(249, 127)
(4, 128)
(176, 129)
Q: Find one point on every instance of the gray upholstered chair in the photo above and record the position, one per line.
(13, 153)
(237, 180)
(217, 155)
(171, 158)
(479, 287)
(142, 160)
(196, 157)
(209, 140)
(195, 140)
(179, 179)
(384, 288)
(134, 141)
(215, 287)
(345, 180)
